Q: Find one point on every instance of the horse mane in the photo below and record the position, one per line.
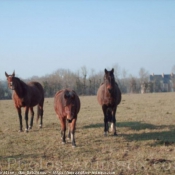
(69, 96)
(20, 88)
(66, 96)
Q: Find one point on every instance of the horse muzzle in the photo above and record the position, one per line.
(109, 87)
(69, 119)
(12, 87)
(69, 116)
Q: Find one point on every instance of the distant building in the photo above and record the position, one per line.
(159, 83)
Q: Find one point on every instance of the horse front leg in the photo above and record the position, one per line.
(26, 118)
(72, 131)
(20, 119)
(63, 130)
(32, 116)
(113, 123)
(69, 130)
(104, 108)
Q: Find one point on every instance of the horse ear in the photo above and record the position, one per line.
(72, 95)
(112, 70)
(6, 74)
(106, 71)
(13, 73)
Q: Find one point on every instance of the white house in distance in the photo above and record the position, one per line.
(159, 83)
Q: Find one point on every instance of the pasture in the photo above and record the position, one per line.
(145, 143)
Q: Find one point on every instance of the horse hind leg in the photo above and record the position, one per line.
(26, 118)
(32, 116)
(41, 119)
(40, 115)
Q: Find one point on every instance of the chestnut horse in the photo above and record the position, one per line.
(109, 97)
(67, 106)
(28, 96)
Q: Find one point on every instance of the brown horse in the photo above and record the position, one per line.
(109, 97)
(67, 106)
(28, 96)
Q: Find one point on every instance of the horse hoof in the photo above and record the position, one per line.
(20, 130)
(115, 134)
(105, 134)
(30, 127)
(26, 130)
(40, 126)
(74, 146)
(63, 143)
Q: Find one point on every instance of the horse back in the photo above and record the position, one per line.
(36, 86)
(36, 91)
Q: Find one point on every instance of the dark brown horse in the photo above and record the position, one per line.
(67, 106)
(28, 96)
(109, 96)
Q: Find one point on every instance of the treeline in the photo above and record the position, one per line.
(84, 82)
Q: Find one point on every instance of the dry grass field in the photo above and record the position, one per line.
(145, 143)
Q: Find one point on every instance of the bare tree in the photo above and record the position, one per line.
(117, 71)
(133, 84)
(91, 82)
(1, 91)
(124, 82)
(144, 75)
(173, 69)
(84, 74)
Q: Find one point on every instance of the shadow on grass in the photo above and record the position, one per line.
(131, 125)
(97, 125)
(136, 125)
(160, 137)
(19, 157)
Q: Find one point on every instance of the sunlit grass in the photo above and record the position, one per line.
(144, 145)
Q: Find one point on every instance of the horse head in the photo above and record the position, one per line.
(109, 79)
(10, 80)
(69, 106)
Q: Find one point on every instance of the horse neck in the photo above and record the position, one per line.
(20, 89)
(111, 91)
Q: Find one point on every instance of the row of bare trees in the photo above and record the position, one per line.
(84, 82)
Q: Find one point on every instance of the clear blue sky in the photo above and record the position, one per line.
(37, 37)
